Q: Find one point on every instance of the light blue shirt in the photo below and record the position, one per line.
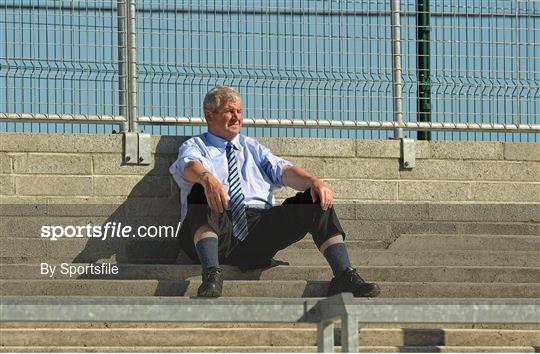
(260, 171)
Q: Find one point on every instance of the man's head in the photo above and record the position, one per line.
(223, 112)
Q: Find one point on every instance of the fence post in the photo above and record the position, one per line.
(127, 64)
(423, 65)
(122, 64)
(131, 65)
(397, 86)
(136, 145)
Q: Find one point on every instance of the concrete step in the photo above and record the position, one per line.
(467, 242)
(323, 273)
(420, 258)
(72, 247)
(260, 337)
(356, 229)
(269, 349)
(457, 211)
(44, 247)
(258, 288)
(309, 257)
(392, 229)
(307, 243)
(291, 326)
(365, 210)
(394, 210)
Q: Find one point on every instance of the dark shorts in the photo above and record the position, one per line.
(270, 230)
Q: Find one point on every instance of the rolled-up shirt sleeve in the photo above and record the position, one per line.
(272, 166)
(186, 153)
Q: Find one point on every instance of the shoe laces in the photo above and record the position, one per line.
(211, 273)
(355, 277)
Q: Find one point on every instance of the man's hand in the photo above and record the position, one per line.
(299, 179)
(216, 195)
(320, 191)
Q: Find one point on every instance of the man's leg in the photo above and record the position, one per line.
(206, 236)
(288, 223)
(335, 252)
(346, 278)
(206, 245)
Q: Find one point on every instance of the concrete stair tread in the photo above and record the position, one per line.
(267, 325)
(422, 257)
(271, 349)
(306, 243)
(263, 336)
(113, 299)
(370, 210)
(313, 257)
(466, 242)
(466, 235)
(73, 246)
(260, 288)
(36, 247)
(172, 272)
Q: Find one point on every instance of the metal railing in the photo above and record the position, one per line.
(325, 312)
(318, 68)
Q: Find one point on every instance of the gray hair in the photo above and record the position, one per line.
(213, 98)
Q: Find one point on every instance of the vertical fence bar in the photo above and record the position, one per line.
(325, 336)
(397, 85)
(122, 63)
(349, 333)
(132, 65)
(423, 65)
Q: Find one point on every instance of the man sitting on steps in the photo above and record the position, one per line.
(227, 203)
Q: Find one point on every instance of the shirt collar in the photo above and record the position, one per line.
(221, 143)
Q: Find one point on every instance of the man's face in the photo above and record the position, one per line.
(226, 121)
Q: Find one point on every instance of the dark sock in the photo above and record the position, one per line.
(207, 250)
(337, 257)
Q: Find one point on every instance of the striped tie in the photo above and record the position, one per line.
(236, 197)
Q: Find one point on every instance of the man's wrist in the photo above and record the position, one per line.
(203, 175)
(312, 181)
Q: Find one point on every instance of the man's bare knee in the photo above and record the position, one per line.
(203, 232)
(331, 241)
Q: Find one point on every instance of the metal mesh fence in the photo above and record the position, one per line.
(485, 63)
(299, 59)
(317, 60)
(59, 58)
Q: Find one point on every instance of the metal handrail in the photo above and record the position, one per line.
(61, 118)
(324, 312)
(281, 123)
(347, 124)
(353, 310)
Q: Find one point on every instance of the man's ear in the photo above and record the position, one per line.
(207, 115)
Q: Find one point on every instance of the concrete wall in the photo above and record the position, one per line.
(43, 168)
(456, 188)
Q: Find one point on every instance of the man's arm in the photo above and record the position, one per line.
(216, 195)
(299, 179)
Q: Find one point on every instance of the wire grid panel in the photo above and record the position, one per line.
(485, 64)
(299, 59)
(307, 60)
(59, 57)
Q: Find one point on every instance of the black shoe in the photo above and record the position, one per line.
(212, 283)
(350, 282)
